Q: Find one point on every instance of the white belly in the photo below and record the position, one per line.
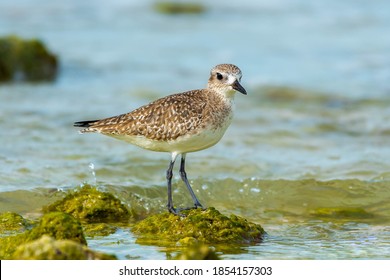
(184, 144)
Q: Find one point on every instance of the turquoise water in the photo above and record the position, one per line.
(317, 108)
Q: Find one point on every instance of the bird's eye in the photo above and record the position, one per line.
(219, 76)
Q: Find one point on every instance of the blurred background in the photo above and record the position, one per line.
(317, 74)
(318, 105)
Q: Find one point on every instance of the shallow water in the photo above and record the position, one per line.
(317, 110)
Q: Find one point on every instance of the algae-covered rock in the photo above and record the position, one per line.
(172, 8)
(48, 248)
(99, 229)
(60, 226)
(12, 222)
(26, 60)
(198, 252)
(91, 205)
(289, 94)
(8, 245)
(57, 225)
(342, 213)
(206, 226)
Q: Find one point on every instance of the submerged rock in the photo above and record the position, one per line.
(91, 205)
(57, 225)
(342, 213)
(26, 60)
(205, 226)
(198, 252)
(172, 8)
(48, 248)
(12, 222)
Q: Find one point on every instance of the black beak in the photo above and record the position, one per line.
(237, 86)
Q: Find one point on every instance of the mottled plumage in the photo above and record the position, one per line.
(164, 119)
(178, 123)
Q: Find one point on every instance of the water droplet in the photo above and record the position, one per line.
(255, 190)
(92, 168)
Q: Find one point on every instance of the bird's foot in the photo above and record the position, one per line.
(198, 205)
(177, 211)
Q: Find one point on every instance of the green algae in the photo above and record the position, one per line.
(48, 248)
(342, 213)
(188, 241)
(206, 226)
(289, 94)
(90, 205)
(60, 226)
(9, 244)
(56, 224)
(99, 229)
(26, 60)
(174, 8)
(198, 252)
(13, 222)
(100, 213)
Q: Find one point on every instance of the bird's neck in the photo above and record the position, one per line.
(227, 97)
(224, 93)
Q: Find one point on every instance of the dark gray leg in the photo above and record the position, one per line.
(183, 176)
(169, 180)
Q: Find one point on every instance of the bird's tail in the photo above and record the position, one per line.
(86, 124)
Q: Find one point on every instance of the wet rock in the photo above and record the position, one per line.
(56, 224)
(173, 8)
(99, 229)
(205, 226)
(198, 252)
(342, 213)
(12, 222)
(8, 245)
(188, 241)
(26, 60)
(48, 248)
(60, 226)
(91, 206)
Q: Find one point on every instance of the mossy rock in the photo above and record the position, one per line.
(288, 94)
(12, 222)
(91, 206)
(48, 248)
(173, 8)
(26, 60)
(60, 226)
(198, 252)
(342, 213)
(206, 226)
(56, 224)
(99, 229)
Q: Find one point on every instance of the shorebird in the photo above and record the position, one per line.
(179, 123)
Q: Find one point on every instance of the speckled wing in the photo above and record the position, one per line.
(162, 120)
